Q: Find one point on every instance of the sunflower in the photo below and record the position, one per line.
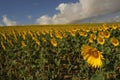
(4, 36)
(87, 29)
(44, 40)
(24, 36)
(114, 27)
(114, 41)
(106, 34)
(58, 35)
(3, 46)
(92, 56)
(54, 42)
(73, 33)
(23, 44)
(105, 27)
(101, 34)
(37, 42)
(93, 36)
(100, 40)
(82, 33)
(94, 30)
(90, 40)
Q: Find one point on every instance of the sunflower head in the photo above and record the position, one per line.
(93, 36)
(58, 35)
(101, 34)
(92, 56)
(54, 42)
(106, 34)
(23, 44)
(100, 40)
(73, 33)
(82, 33)
(114, 41)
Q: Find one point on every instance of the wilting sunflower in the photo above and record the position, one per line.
(54, 42)
(100, 40)
(92, 56)
(114, 41)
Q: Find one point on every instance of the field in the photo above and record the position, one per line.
(60, 52)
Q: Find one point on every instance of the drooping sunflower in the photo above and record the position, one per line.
(114, 41)
(92, 56)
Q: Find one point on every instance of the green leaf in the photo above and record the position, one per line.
(107, 50)
(98, 76)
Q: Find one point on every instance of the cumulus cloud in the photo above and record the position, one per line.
(44, 20)
(8, 22)
(83, 9)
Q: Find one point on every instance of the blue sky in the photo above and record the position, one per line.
(19, 10)
(14, 12)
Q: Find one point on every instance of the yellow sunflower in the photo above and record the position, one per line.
(54, 42)
(23, 44)
(93, 36)
(106, 34)
(82, 33)
(114, 27)
(73, 33)
(100, 40)
(90, 40)
(92, 56)
(3, 46)
(58, 35)
(114, 41)
(44, 40)
(101, 34)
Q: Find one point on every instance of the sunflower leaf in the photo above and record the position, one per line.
(97, 77)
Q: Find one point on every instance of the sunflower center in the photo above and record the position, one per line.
(95, 54)
(100, 39)
(114, 41)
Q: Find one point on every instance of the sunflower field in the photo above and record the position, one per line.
(60, 52)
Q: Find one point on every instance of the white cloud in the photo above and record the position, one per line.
(44, 20)
(83, 9)
(8, 22)
(29, 17)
